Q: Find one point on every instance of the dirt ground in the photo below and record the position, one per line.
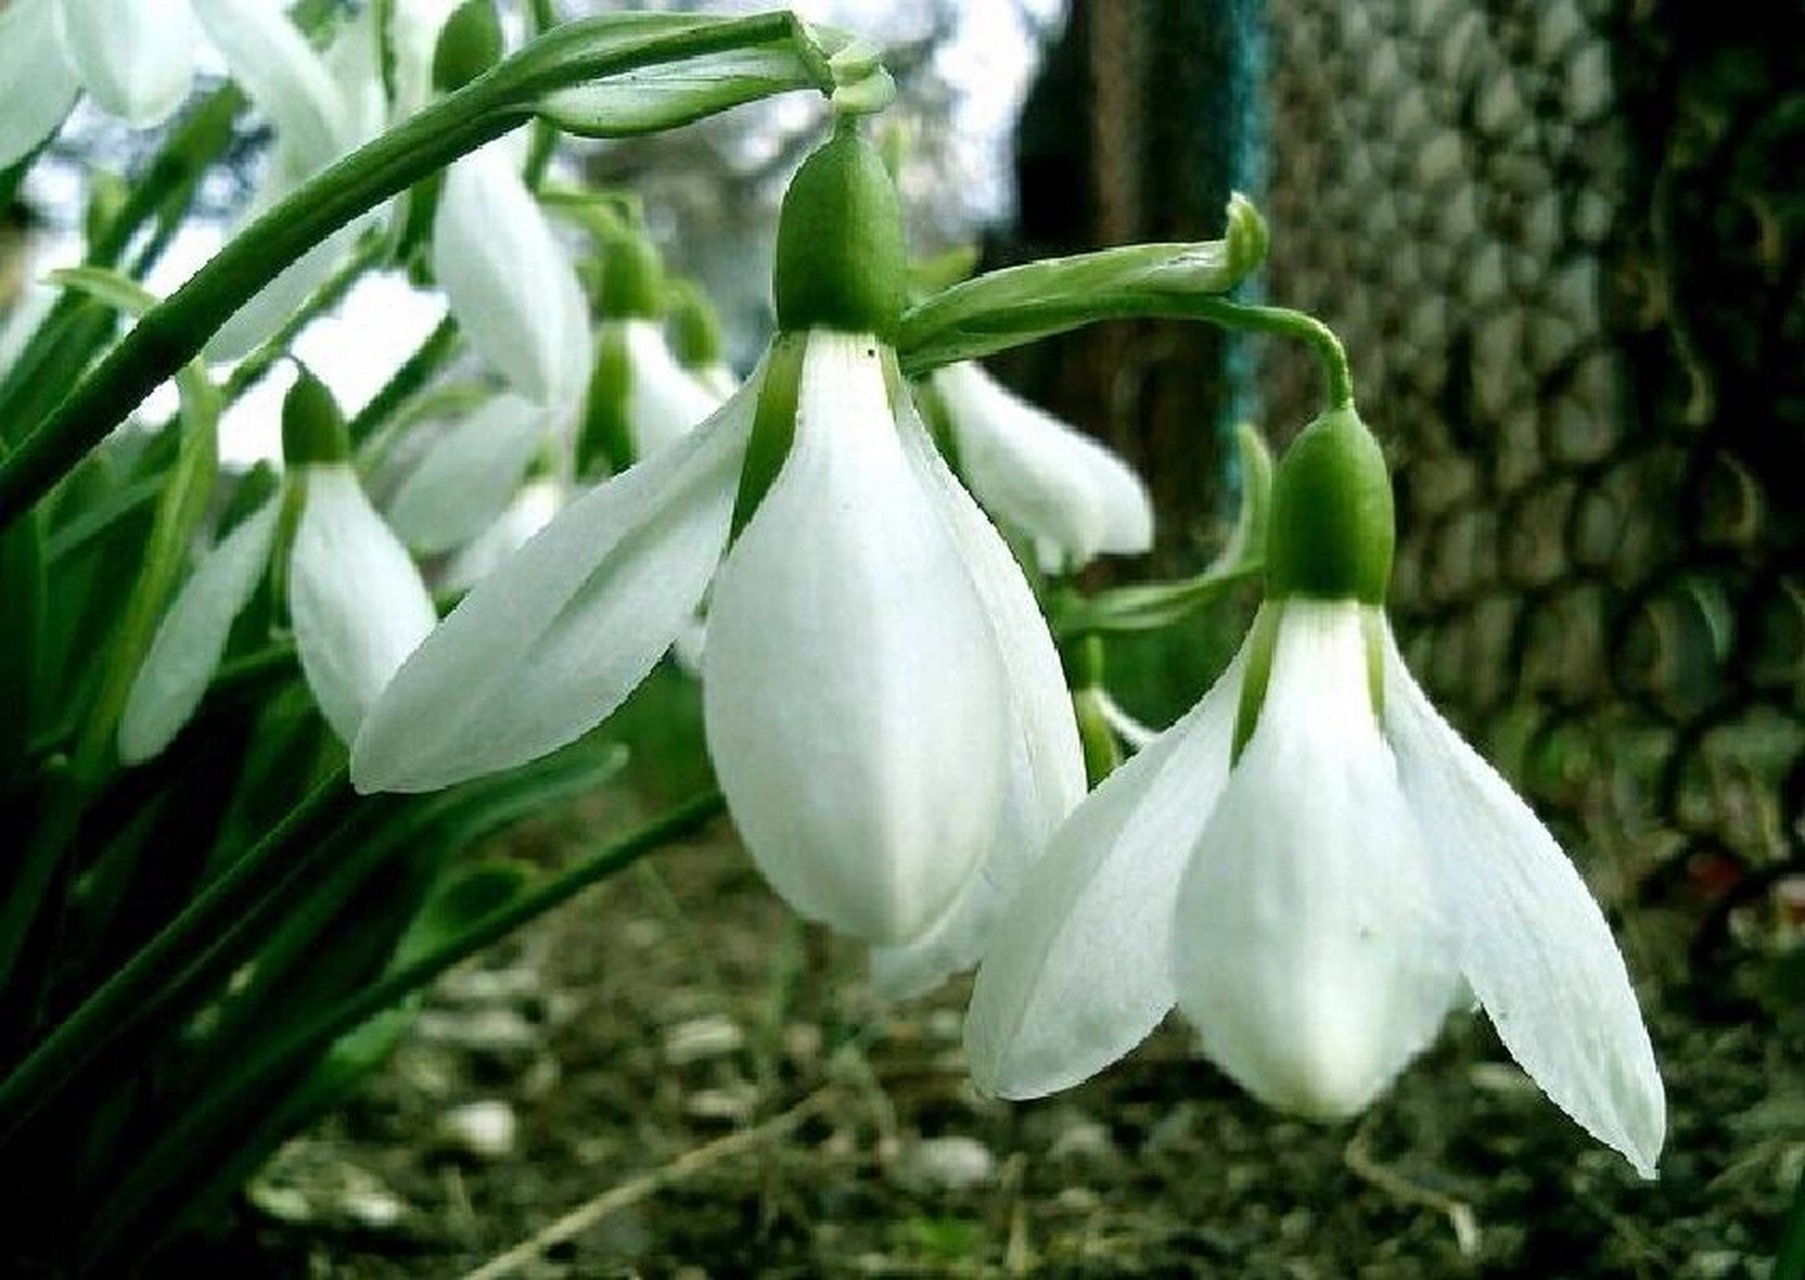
(672, 1077)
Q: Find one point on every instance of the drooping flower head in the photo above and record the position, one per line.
(1315, 869)
(355, 601)
(884, 707)
(640, 400)
(1073, 498)
(135, 60)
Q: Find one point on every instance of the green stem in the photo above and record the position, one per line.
(480, 112)
(210, 922)
(1291, 324)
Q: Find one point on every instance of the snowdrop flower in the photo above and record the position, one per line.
(508, 281)
(1315, 869)
(1074, 498)
(355, 601)
(135, 60)
(321, 107)
(883, 704)
(641, 401)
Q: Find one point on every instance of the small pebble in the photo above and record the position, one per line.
(714, 1036)
(953, 1163)
(1082, 1138)
(284, 1204)
(486, 1129)
(373, 1207)
(733, 1105)
(498, 1030)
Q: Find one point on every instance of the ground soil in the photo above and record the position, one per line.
(701, 1086)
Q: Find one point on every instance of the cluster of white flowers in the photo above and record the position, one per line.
(1311, 865)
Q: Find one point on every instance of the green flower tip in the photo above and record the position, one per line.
(313, 429)
(1331, 534)
(840, 257)
(470, 43)
(632, 279)
(695, 330)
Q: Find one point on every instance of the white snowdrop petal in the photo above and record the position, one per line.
(1071, 495)
(1532, 943)
(464, 484)
(530, 511)
(281, 74)
(40, 84)
(1309, 952)
(664, 403)
(186, 649)
(1078, 970)
(135, 58)
(1046, 769)
(355, 599)
(509, 283)
(854, 699)
(552, 641)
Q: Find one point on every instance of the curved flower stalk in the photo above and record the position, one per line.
(1074, 498)
(1316, 870)
(884, 706)
(355, 601)
(322, 108)
(135, 60)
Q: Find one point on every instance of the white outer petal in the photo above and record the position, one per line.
(664, 402)
(1046, 774)
(189, 641)
(414, 27)
(355, 599)
(465, 482)
(1308, 948)
(552, 641)
(531, 510)
(852, 690)
(40, 83)
(1036, 473)
(1532, 943)
(1079, 968)
(136, 57)
(508, 280)
(281, 74)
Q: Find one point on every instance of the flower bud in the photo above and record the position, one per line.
(469, 44)
(632, 278)
(1331, 535)
(695, 331)
(841, 263)
(313, 429)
